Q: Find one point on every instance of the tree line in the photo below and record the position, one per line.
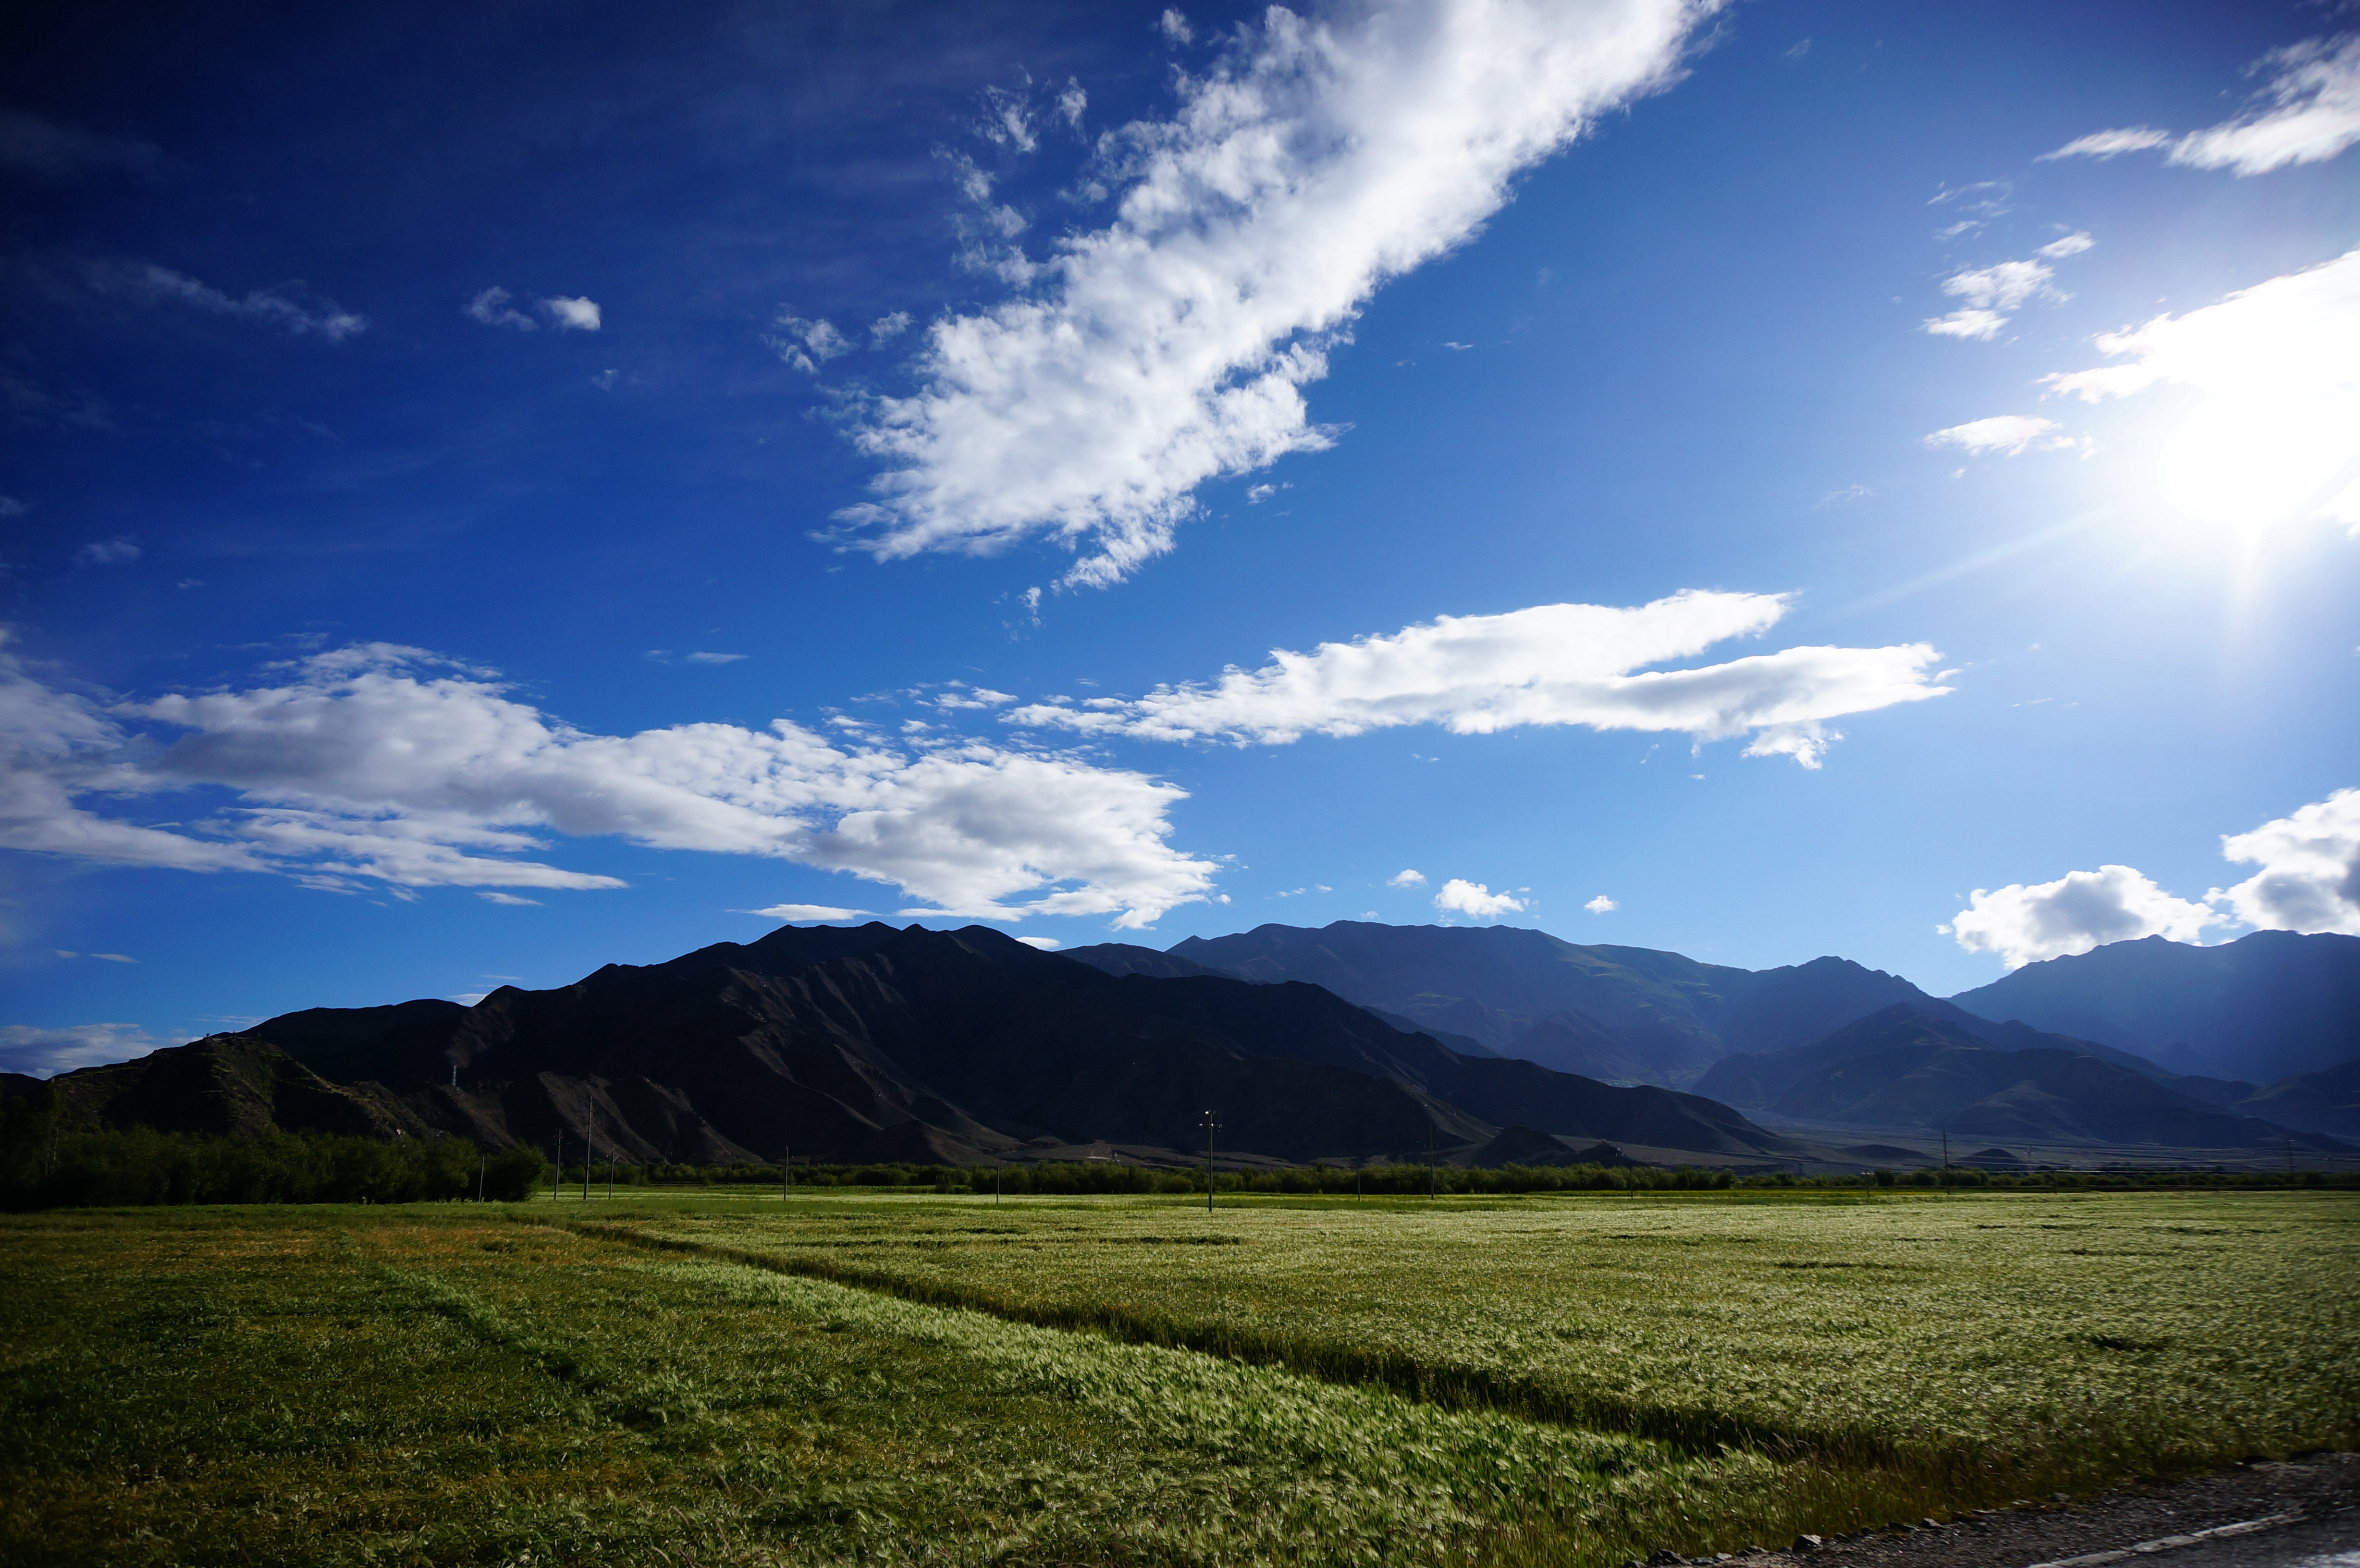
(44, 1165)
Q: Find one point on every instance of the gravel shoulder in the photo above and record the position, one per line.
(2320, 1491)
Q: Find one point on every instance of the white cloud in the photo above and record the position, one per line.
(1071, 102)
(572, 315)
(2310, 876)
(113, 551)
(713, 658)
(492, 307)
(1174, 27)
(2080, 910)
(11, 507)
(1602, 905)
(885, 329)
(365, 764)
(1475, 900)
(467, 999)
(2011, 435)
(2071, 245)
(1980, 326)
(44, 1052)
(491, 896)
(1406, 879)
(1991, 292)
(2308, 112)
(116, 957)
(2278, 431)
(806, 345)
(1310, 163)
(810, 912)
(1554, 664)
(2109, 143)
(961, 695)
(289, 307)
(1046, 943)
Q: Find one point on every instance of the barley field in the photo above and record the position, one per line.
(926, 1379)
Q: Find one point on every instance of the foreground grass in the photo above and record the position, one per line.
(1986, 1347)
(457, 1385)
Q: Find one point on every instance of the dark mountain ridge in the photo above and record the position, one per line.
(869, 1043)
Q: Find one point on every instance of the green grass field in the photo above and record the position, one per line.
(1573, 1380)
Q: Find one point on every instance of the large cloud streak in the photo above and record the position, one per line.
(2308, 112)
(1552, 664)
(1313, 161)
(381, 764)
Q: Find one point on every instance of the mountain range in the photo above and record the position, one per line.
(2270, 1005)
(871, 1043)
(2253, 1009)
(1350, 1041)
(1903, 1068)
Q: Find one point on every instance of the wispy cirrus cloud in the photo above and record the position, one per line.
(60, 153)
(2010, 435)
(1310, 162)
(1552, 664)
(2308, 112)
(44, 1052)
(292, 308)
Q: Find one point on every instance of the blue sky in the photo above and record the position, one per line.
(492, 492)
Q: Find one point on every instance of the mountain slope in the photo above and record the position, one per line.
(960, 1046)
(1626, 1014)
(1902, 1067)
(2269, 1006)
(2327, 1102)
(225, 1084)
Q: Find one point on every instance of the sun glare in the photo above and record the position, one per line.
(2246, 462)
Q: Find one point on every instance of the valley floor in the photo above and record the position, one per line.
(1578, 1380)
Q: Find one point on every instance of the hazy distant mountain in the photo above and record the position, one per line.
(870, 1043)
(1128, 958)
(1627, 1014)
(2269, 1006)
(1903, 1067)
(2325, 1102)
(1124, 958)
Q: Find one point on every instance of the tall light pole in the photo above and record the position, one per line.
(1212, 1127)
(589, 1150)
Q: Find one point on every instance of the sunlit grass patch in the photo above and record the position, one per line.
(1570, 1382)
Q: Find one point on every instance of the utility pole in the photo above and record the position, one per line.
(482, 1160)
(1429, 1158)
(1946, 1160)
(1210, 1128)
(2289, 1151)
(589, 1150)
(786, 1171)
(557, 1175)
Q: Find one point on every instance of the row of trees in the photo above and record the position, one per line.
(44, 1166)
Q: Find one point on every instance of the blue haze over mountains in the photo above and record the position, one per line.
(2205, 1026)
